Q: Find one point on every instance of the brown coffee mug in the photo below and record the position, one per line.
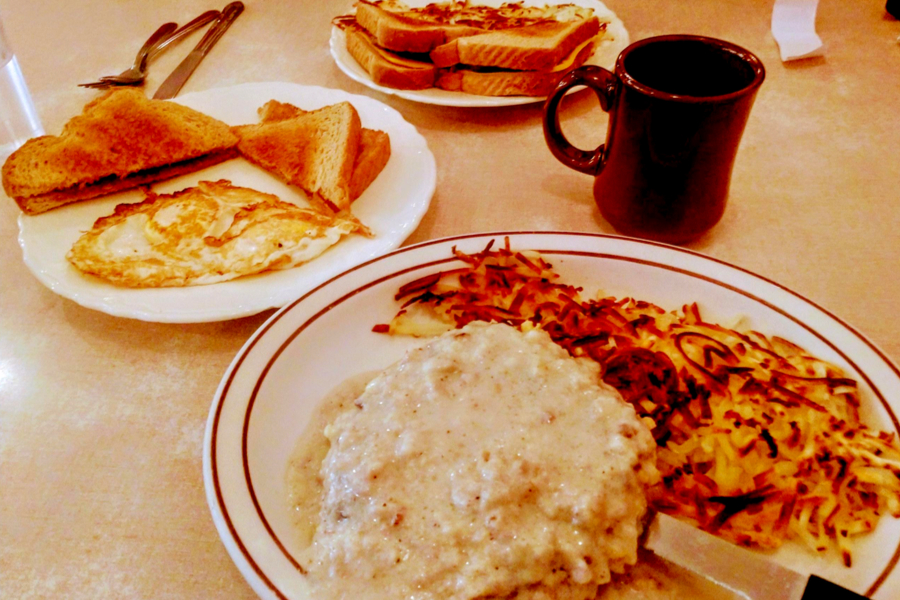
(677, 107)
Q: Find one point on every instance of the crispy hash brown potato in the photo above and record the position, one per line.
(758, 441)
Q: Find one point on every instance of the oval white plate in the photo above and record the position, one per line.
(392, 207)
(271, 388)
(604, 56)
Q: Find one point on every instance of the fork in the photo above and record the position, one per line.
(137, 73)
(138, 69)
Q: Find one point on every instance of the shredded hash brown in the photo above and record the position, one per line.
(757, 440)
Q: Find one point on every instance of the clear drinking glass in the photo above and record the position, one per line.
(18, 118)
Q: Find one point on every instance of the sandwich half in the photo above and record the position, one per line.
(403, 72)
(120, 141)
(488, 81)
(537, 47)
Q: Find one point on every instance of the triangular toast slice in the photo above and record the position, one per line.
(120, 141)
(374, 146)
(315, 150)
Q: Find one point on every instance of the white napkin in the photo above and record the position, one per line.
(794, 28)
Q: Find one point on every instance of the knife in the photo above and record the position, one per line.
(182, 31)
(171, 86)
(745, 573)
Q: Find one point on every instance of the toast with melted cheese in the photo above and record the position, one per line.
(503, 82)
(120, 141)
(395, 26)
(538, 47)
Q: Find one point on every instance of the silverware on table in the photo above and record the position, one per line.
(135, 76)
(747, 574)
(173, 83)
(139, 68)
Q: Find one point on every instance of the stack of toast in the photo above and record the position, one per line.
(512, 50)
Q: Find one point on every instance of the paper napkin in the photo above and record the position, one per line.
(794, 28)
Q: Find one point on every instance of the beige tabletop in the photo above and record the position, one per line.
(102, 418)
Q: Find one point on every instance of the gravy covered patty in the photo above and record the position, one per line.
(488, 463)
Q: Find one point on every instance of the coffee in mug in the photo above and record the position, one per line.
(677, 108)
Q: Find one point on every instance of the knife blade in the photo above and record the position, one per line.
(741, 571)
(173, 83)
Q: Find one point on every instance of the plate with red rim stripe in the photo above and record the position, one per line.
(272, 387)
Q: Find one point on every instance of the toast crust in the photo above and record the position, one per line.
(117, 135)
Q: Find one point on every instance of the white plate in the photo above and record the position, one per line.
(392, 208)
(615, 40)
(270, 390)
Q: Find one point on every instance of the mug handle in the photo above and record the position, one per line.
(603, 83)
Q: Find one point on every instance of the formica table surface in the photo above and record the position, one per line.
(102, 418)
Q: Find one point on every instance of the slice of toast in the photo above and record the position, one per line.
(500, 82)
(374, 152)
(374, 146)
(538, 47)
(396, 27)
(385, 67)
(120, 141)
(315, 150)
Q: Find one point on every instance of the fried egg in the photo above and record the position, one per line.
(205, 234)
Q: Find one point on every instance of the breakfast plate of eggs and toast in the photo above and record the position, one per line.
(221, 204)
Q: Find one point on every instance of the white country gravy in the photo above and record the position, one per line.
(487, 463)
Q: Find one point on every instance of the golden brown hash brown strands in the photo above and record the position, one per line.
(758, 441)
